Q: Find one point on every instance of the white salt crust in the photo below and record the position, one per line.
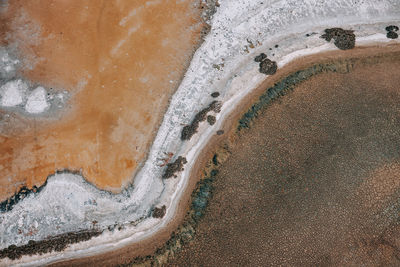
(13, 93)
(37, 102)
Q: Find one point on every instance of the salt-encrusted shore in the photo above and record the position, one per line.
(66, 203)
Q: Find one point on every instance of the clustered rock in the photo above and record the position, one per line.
(343, 39)
(174, 167)
(189, 130)
(211, 119)
(267, 66)
(159, 212)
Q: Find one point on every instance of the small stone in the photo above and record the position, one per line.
(392, 28)
(211, 119)
(159, 212)
(260, 57)
(215, 94)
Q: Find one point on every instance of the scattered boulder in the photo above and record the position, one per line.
(159, 212)
(189, 130)
(174, 167)
(220, 132)
(392, 35)
(343, 39)
(268, 67)
(260, 57)
(215, 94)
(392, 28)
(392, 32)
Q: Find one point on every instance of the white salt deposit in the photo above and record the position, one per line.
(8, 64)
(37, 101)
(13, 93)
(66, 204)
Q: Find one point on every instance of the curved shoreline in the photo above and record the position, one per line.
(160, 243)
(330, 123)
(148, 245)
(148, 190)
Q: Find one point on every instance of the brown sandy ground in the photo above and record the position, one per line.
(212, 230)
(119, 60)
(314, 181)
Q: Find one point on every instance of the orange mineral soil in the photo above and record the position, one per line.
(119, 60)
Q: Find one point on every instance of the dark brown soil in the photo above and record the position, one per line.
(314, 181)
(343, 39)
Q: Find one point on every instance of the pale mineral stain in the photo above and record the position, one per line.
(116, 59)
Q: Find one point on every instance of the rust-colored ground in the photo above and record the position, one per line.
(314, 182)
(120, 60)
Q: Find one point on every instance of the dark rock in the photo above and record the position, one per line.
(343, 39)
(174, 167)
(260, 57)
(159, 212)
(220, 132)
(215, 94)
(392, 35)
(215, 159)
(189, 130)
(392, 28)
(211, 119)
(268, 67)
(55, 243)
